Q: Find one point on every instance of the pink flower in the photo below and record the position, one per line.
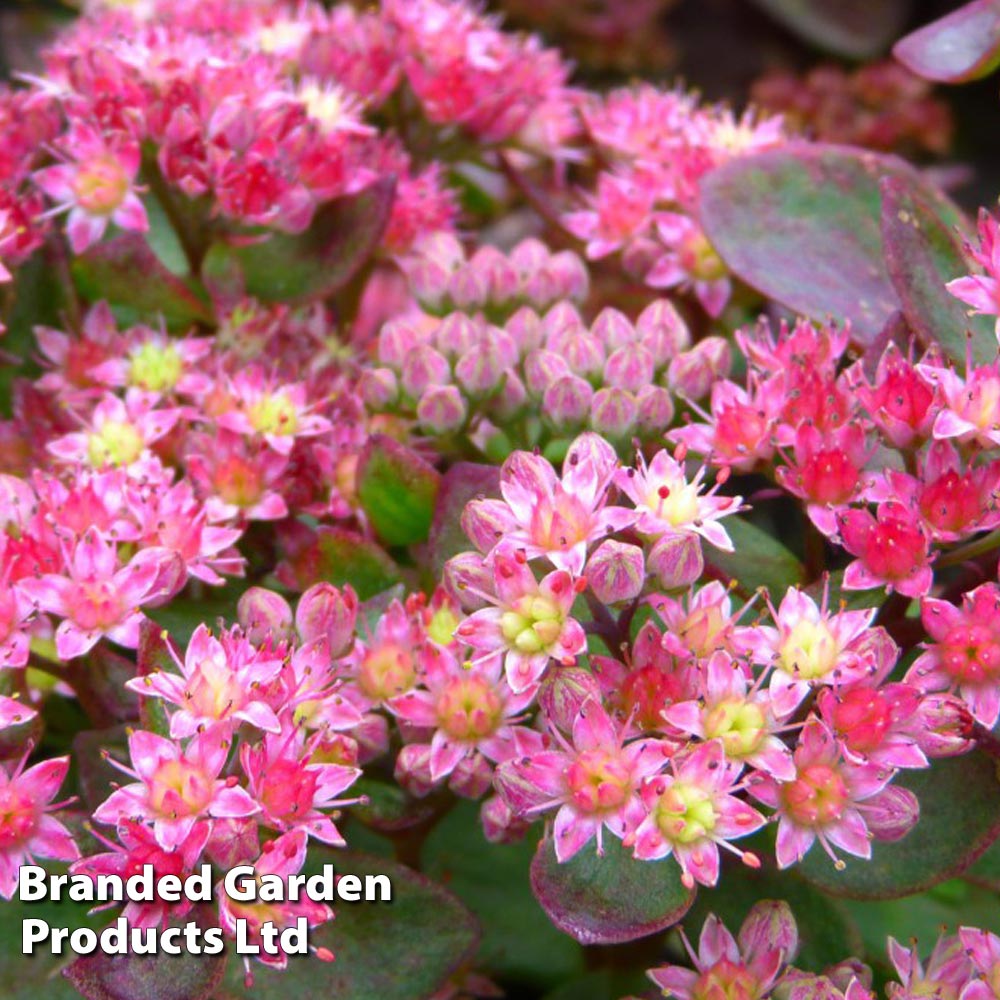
(809, 647)
(139, 847)
(824, 802)
(693, 812)
(530, 623)
(666, 503)
(176, 786)
(219, 681)
(982, 291)
(892, 550)
(970, 405)
(292, 789)
(157, 363)
(947, 971)
(964, 655)
(739, 717)
(471, 710)
(690, 261)
(621, 210)
(282, 857)
(594, 781)
(96, 186)
(748, 969)
(983, 949)
(901, 402)
(97, 596)
(545, 515)
(26, 829)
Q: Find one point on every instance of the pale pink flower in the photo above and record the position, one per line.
(947, 970)
(982, 291)
(970, 406)
(690, 262)
(983, 949)
(176, 786)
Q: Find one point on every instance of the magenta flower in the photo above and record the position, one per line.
(26, 829)
(542, 514)
(983, 949)
(97, 596)
(809, 647)
(825, 801)
(693, 812)
(747, 968)
(964, 655)
(176, 786)
(594, 781)
(530, 623)
(666, 503)
(947, 970)
(292, 788)
(96, 186)
(689, 261)
(138, 846)
(982, 291)
(219, 682)
(738, 716)
(157, 363)
(470, 710)
(970, 405)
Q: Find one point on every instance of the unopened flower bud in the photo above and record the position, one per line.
(233, 842)
(502, 278)
(616, 572)
(441, 409)
(466, 577)
(570, 276)
(946, 726)
(770, 926)
(613, 328)
(456, 334)
(480, 370)
(529, 255)
(424, 367)
(562, 317)
(501, 825)
(583, 351)
(693, 373)
(428, 282)
(541, 369)
(264, 615)
(472, 777)
(413, 769)
(564, 692)
(566, 403)
(676, 560)
(510, 400)
(469, 288)
(655, 410)
(662, 330)
(525, 327)
(325, 611)
(892, 813)
(613, 413)
(629, 367)
(395, 341)
(379, 388)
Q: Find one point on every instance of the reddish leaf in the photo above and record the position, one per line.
(963, 45)
(463, 482)
(609, 899)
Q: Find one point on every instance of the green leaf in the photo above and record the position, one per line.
(389, 808)
(397, 490)
(963, 45)
(152, 655)
(147, 977)
(802, 225)
(922, 253)
(125, 271)
(757, 559)
(959, 819)
(609, 899)
(401, 950)
(985, 870)
(302, 267)
(339, 556)
(827, 934)
(857, 29)
(519, 941)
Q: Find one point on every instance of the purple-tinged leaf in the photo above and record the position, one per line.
(339, 556)
(959, 819)
(147, 977)
(125, 271)
(463, 482)
(282, 267)
(963, 45)
(397, 490)
(609, 899)
(858, 29)
(152, 655)
(802, 225)
(922, 254)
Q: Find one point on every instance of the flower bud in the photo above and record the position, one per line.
(413, 769)
(566, 403)
(428, 282)
(770, 926)
(562, 317)
(510, 400)
(945, 726)
(466, 577)
(481, 368)
(502, 279)
(525, 328)
(662, 330)
(395, 341)
(325, 611)
(583, 352)
(564, 692)
(629, 367)
(529, 255)
(233, 842)
(501, 825)
(613, 413)
(892, 813)
(655, 410)
(456, 334)
(613, 329)
(616, 572)
(570, 276)
(676, 560)
(379, 388)
(264, 615)
(424, 367)
(472, 777)
(542, 368)
(469, 288)
(441, 409)
(442, 248)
